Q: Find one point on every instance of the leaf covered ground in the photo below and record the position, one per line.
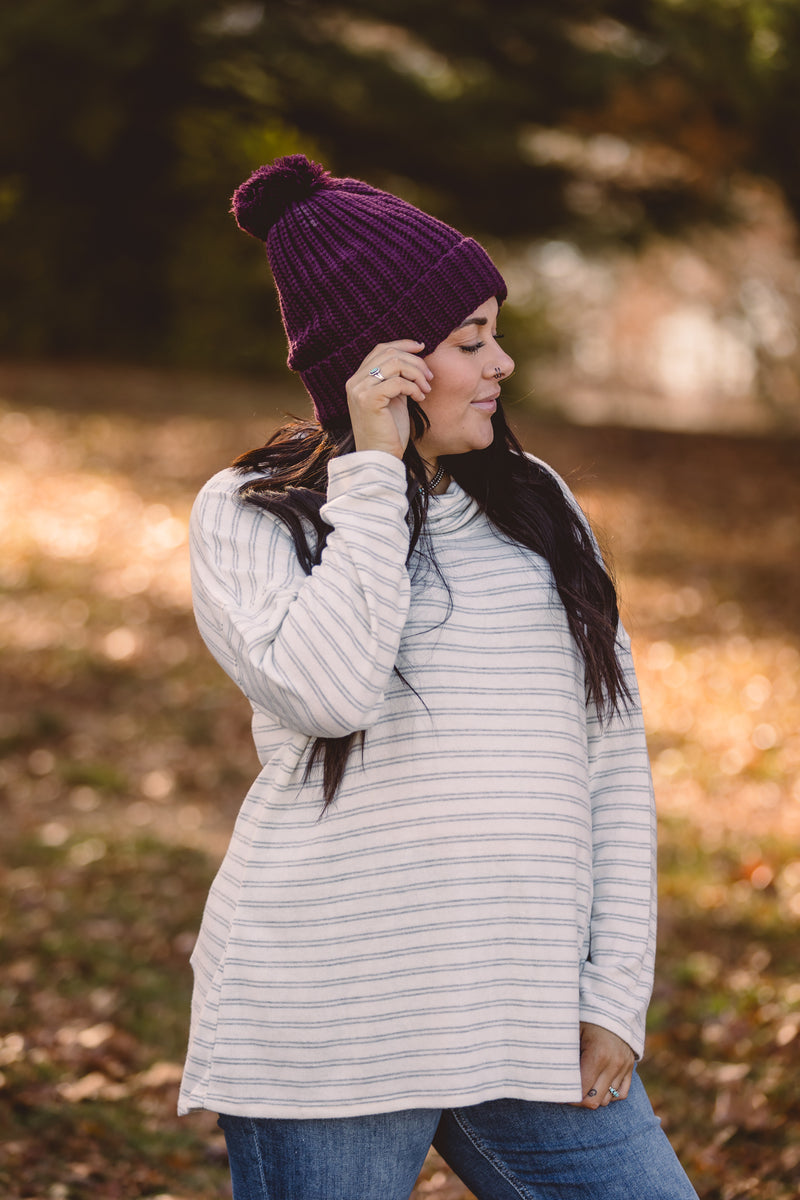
(125, 753)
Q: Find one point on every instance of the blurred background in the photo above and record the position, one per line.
(632, 167)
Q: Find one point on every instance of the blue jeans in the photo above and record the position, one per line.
(502, 1150)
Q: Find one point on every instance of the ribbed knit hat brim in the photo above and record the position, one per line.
(431, 309)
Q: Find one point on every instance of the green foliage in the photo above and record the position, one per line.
(129, 123)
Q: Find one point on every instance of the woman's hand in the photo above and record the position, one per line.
(606, 1062)
(377, 402)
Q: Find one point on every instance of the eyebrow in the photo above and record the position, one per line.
(473, 321)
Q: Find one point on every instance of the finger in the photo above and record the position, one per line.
(410, 344)
(411, 351)
(608, 1087)
(623, 1084)
(597, 1093)
(408, 391)
(398, 367)
(382, 392)
(618, 1087)
(381, 375)
(401, 385)
(386, 351)
(624, 1078)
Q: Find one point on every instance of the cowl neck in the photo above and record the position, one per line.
(452, 510)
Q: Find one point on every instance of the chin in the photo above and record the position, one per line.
(466, 447)
(483, 440)
(476, 443)
(476, 438)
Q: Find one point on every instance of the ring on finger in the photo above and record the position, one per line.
(377, 374)
(614, 1093)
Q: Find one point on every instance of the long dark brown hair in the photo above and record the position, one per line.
(523, 500)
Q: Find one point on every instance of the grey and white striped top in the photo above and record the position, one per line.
(486, 877)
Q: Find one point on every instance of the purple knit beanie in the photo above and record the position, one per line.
(355, 266)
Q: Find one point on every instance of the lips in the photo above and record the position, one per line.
(486, 403)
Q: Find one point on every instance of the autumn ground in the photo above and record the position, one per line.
(125, 753)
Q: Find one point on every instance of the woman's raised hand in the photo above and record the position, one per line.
(377, 393)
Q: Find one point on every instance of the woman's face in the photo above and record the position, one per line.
(464, 388)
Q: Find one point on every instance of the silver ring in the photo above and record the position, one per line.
(376, 371)
(614, 1093)
(498, 372)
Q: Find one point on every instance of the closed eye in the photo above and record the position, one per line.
(476, 346)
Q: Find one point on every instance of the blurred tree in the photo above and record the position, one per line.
(127, 123)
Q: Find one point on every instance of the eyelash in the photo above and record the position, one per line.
(479, 345)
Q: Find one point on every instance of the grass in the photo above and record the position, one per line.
(125, 754)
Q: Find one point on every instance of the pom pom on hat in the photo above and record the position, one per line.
(267, 194)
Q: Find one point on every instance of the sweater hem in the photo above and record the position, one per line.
(568, 1094)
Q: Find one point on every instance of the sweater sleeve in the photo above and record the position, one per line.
(617, 976)
(315, 652)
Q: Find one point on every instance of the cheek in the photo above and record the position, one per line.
(445, 408)
(453, 381)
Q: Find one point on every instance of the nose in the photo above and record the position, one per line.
(500, 365)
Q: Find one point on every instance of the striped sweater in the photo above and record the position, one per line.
(485, 878)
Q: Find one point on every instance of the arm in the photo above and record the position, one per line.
(316, 652)
(617, 976)
(313, 651)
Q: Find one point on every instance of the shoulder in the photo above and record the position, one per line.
(552, 475)
(227, 482)
(546, 469)
(570, 498)
(219, 504)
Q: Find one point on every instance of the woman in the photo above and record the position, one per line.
(435, 921)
